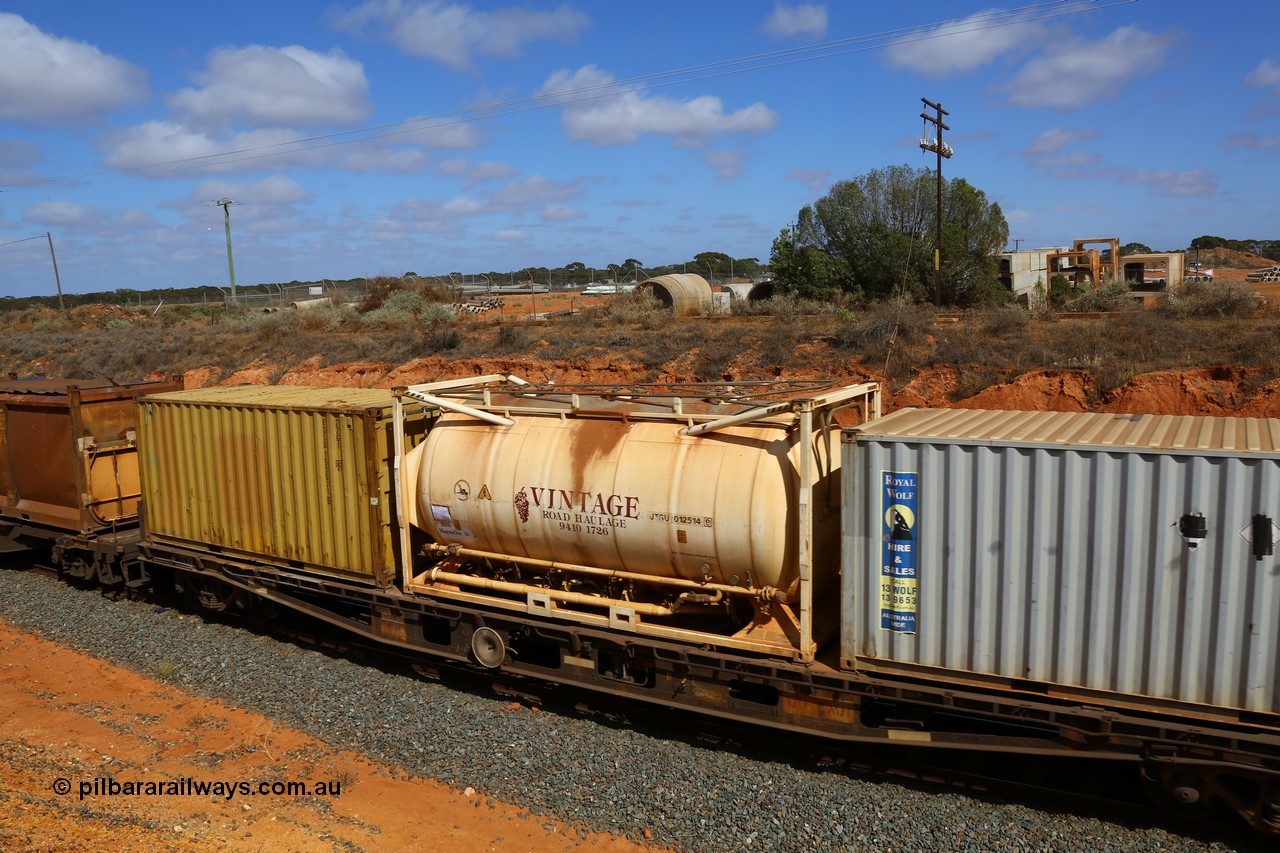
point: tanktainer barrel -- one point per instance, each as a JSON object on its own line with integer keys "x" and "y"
{"x": 614, "y": 485}
{"x": 632, "y": 496}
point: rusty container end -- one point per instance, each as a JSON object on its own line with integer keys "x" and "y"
{"x": 685, "y": 293}
{"x": 70, "y": 462}
{"x": 630, "y": 495}
{"x": 296, "y": 477}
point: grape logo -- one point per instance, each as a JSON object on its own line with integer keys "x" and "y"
{"x": 522, "y": 505}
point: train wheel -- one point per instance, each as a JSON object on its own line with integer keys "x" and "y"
{"x": 212, "y": 594}
{"x": 488, "y": 648}
{"x": 1179, "y": 792}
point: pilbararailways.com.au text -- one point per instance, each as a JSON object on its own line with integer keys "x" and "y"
{"x": 109, "y": 786}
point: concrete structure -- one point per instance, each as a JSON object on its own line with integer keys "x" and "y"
{"x": 749, "y": 291}
{"x": 684, "y": 293}
{"x": 1020, "y": 272}
{"x": 1153, "y": 271}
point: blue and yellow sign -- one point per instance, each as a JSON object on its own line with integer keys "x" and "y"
{"x": 898, "y": 579}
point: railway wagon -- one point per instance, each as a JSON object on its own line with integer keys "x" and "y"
{"x": 69, "y": 474}
{"x": 729, "y": 549}
{"x": 1119, "y": 561}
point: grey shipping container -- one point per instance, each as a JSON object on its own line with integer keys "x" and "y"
{"x": 1122, "y": 559}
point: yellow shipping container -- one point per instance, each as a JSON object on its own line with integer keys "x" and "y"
{"x": 292, "y": 476}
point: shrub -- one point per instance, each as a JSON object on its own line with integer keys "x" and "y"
{"x": 790, "y": 305}
{"x": 639, "y": 306}
{"x": 778, "y": 342}
{"x": 510, "y": 339}
{"x": 883, "y": 323}
{"x": 1111, "y": 295}
{"x": 1214, "y": 299}
{"x": 324, "y": 318}
{"x": 405, "y": 308}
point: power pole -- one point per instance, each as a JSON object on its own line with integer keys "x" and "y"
{"x": 56, "y": 277}
{"x": 942, "y": 150}
{"x": 226, "y": 203}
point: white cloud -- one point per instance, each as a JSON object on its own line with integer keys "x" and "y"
{"x": 1055, "y": 139}
{"x": 161, "y": 141}
{"x": 473, "y": 174}
{"x": 371, "y": 159}
{"x": 1266, "y": 75}
{"x": 533, "y": 191}
{"x": 728, "y": 164}
{"x": 1077, "y": 72}
{"x": 1251, "y": 140}
{"x": 45, "y": 79}
{"x": 1167, "y": 182}
{"x": 815, "y": 179}
{"x": 622, "y": 118}
{"x": 274, "y": 87}
{"x": 963, "y": 44}
{"x": 560, "y": 213}
{"x": 512, "y": 235}
{"x": 169, "y": 146}
{"x": 441, "y": 137}
{"x": 271, "y": 191}
{"x": 434, "y": 214}
{"x": 805, "y": 19}
{"x": 57, "y": 213}
{"x": 1053, "y": 150}
{"x": 454, "y": 33}
{"x": 166, "y": 147}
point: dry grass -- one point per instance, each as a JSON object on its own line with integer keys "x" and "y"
{"x": 1198, "y": 327}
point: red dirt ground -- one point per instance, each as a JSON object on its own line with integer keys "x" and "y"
{"x": 1226, "y": 391}
{"x": 67, "y": 715}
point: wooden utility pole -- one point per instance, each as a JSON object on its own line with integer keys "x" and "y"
{"x": 226, "y": 203}
{"x": 942, "y": 150}
{"x": 57, "y": 278}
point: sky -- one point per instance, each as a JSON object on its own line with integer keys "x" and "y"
{"x": 373, "y": 138}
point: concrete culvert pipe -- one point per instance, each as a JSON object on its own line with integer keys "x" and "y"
{"x": 684, "y": 293}
{"x": 308, "y": 304}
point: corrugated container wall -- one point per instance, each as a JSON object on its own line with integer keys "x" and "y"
{"x": 67, "y": 455}
{"x": 1054, "y": 552}
{"x": 299, "y": 477}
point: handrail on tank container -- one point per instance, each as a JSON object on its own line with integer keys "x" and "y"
{"x": 836, "y": 399}
{"x": 423, "y": 392}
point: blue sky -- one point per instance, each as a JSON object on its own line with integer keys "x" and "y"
{"x": 380, "y": 137}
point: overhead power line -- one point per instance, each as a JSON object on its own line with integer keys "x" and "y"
{"x": 22, "y": 240}
{"x": 1034, "y": 13}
